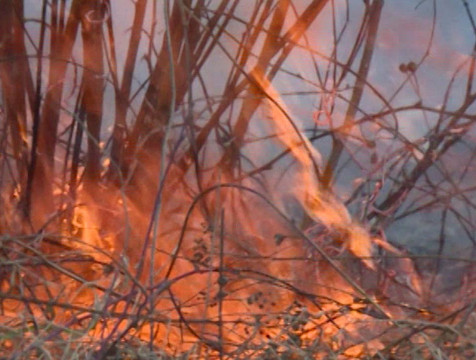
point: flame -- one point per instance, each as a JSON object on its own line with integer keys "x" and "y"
{"x": 321, "y": 206}
{"x": 217, "y": 276}
{"x": 223, "y": 299}
{"x": 216, "y": 271}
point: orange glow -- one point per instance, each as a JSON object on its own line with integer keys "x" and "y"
{"x": 180, "y": 241}
{"x": 321, "y": 206}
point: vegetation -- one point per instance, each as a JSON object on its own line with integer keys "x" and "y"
{"x": 228, "y": 179}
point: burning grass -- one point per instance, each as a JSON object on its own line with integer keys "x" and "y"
{"x": 199, "y": 220}
{"x": 220, "y": 284}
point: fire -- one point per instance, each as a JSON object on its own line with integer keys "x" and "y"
{"x": 228, "y": 268}
{"x": 172, "y": 240}
{"x": 218, "y": 276}
{"x": 320, "y": 205}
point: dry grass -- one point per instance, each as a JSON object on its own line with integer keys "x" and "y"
{"x": 165, "y": 196}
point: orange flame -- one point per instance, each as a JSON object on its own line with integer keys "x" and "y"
{"x": 321, "y": 206}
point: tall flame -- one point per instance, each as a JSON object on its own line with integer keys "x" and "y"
{"x": 322, "y": 206}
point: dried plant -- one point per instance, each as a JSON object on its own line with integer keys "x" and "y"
{"x": 268, "y": 179}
